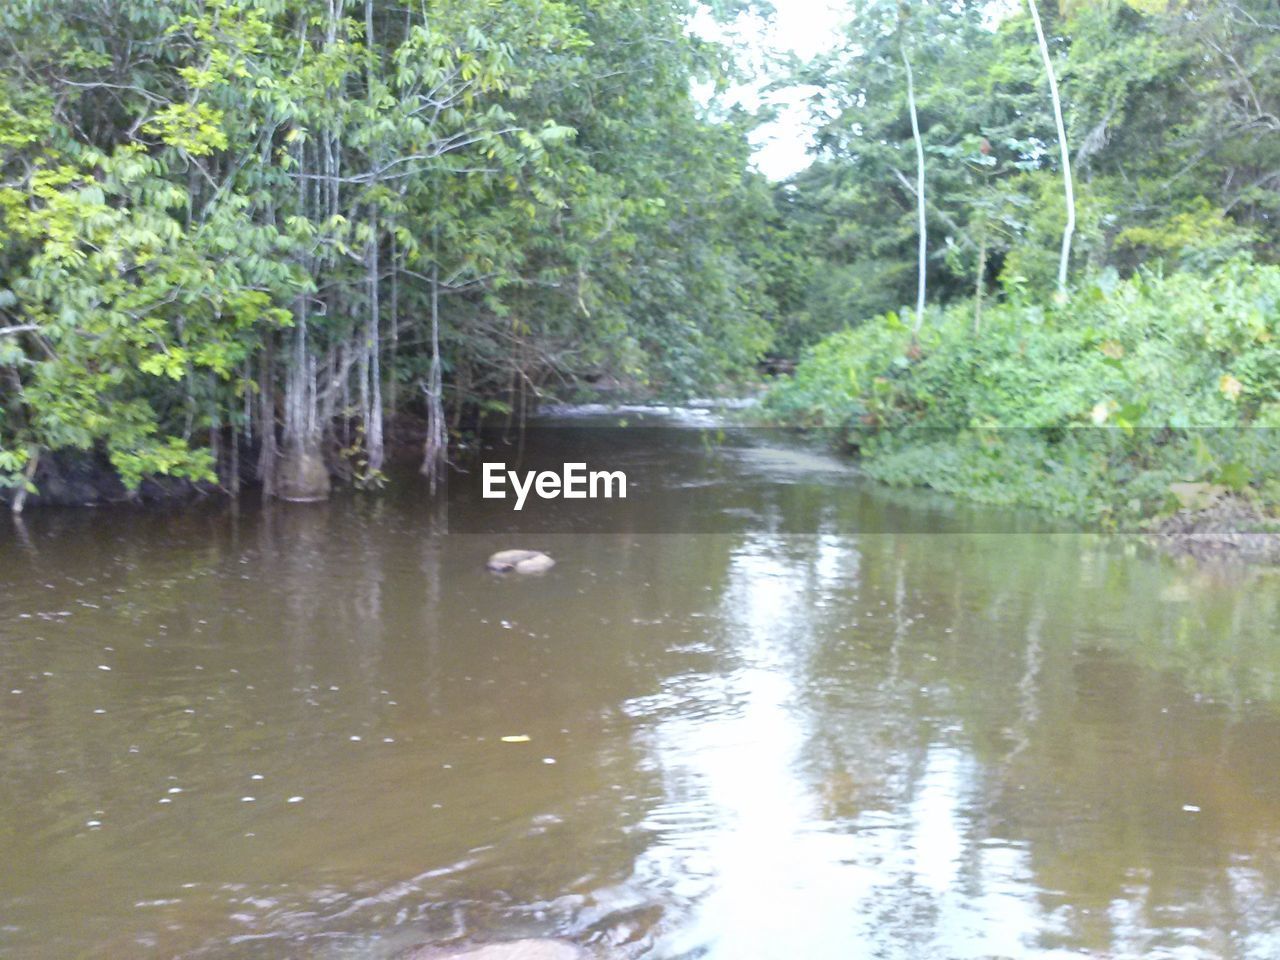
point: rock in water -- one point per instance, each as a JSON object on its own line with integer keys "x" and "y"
{"x": 512, "y": 950}
{"x": 538, "y": 563}
{"x": 520, "y": 561}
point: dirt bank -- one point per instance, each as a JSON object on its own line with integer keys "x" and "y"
{"x": 73, "y": 478}
{"x": 1230, "y": 529}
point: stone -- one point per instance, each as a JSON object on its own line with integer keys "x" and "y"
{"x": 520, "y": 561}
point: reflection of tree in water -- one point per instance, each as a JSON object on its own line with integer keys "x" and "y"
{"x": 1023, "y": 695}
{"x": 270, "y": 644}
{"x": 916, "y": 743}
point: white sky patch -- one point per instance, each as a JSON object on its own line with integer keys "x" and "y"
{"x": 804, "y": 27}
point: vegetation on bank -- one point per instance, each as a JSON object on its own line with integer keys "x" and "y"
{"x": 251, "y": 230}
{"x": 1152, "y": 379}
{"x": 1106, "y": 408}
{"x": 238, "y": 237}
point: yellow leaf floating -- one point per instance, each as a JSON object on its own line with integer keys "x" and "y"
{"x": 517, "y": 738}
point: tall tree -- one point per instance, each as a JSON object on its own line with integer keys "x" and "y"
{"x": 923, "y": 228}
{"x": 259, "y": 222}
{"x": 1068, "y": 186}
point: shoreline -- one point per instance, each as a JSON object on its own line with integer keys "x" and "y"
{"x": 1228, "y": 530}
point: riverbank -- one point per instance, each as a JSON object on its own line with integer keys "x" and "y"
{"x": 1213, "y": 525}
{"x": 1229, "y": 530}
{"x": 71, "y": 477}
{"x": 78, "y": 478}
{"x": 87, "y": 478}
{"x": 1108, "y": 410}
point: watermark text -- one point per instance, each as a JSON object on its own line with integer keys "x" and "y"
{"x": 573, "y": 482}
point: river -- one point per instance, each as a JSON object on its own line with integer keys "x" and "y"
{"x": 847, "y": 722}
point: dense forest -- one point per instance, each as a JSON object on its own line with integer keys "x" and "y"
{"x": 1080, "y": 209}
{"x": 240, "y": 239}
{"x": 261, "y": 227}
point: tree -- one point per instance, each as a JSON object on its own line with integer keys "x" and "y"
{"x": 262, "y": 224}
{"x": 1067, "y": 185}
{"x": 919, "y": 189}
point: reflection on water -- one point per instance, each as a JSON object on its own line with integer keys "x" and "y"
{"x": 279, "y": 733}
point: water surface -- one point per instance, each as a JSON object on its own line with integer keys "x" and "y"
{"x": 278, "y": 731}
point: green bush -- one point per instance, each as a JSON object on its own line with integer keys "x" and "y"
{"x": 1089, "y": 409}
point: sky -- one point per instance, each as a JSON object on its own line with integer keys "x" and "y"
{"x": 806, "y": 27}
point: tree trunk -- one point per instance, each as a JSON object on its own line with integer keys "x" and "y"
{"x": 268, "y": 453}
{"x": 301, "y": 474}
{"x": 980, "y": 284}
{"x": 921, "y": 225}
{"x": 235, "y": 461}
{"x": 1068, "y": 187}
{"x": 433, "y": 460}
{"x": 28, "y": 474}
{"x": 371, "y": 367}
{"x": 394, "y": 327}
{"x": 373, "y": 402}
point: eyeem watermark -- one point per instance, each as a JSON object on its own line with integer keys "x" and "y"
{"x": 573, "y": 482}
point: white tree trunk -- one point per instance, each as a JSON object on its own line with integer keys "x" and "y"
{"x": 373, "y": 441}
{"x": 1068, "y": 187}
{"x": 28, "y": 475}
{"x": 922, "y": 228}
{"x": 433, "y": 460}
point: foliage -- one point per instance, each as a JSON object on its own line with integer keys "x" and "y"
{"x": 1171, "y": 119}
{"x": 234, "y": 222}
{"x": 249, "y": 231}
{"x": 1091, "y": 409}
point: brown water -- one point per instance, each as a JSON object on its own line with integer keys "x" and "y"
{"x": 741, "y": 746}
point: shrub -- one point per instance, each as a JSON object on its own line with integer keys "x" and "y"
{"x": 1089, "y": 409}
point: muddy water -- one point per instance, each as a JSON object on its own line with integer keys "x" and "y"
{"x": 280, "y": 733}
